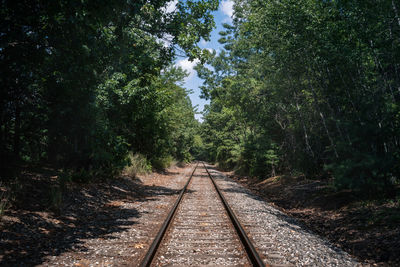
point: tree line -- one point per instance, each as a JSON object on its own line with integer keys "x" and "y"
{"x": 84, "y": 83}
{"x": 308, "y": 87}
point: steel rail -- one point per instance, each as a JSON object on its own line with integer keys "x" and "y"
{"x": 157, "y": 240}
{"x": 254, "y": 257}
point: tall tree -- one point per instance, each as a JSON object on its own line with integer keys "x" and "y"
{"x": 80, "y": 82}
{"x": 312, "y": 85}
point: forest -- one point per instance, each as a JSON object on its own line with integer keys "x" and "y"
{"x": 98, "y": 132}
{"x": 308, "y": 88}
{"x": 302, "y": 87}
{"x": 86, "y": 86}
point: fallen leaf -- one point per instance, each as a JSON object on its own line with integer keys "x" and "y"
{"x": 139, "y": 245}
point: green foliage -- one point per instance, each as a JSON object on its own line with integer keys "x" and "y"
{"x": 84, "y": 83}
{"x": 363, "y": 172}
{"x": 308, "y": 87}
{"x": 138, "y": 164}
{"x": 198, "y": 149}
{"x": 161, "y": 163}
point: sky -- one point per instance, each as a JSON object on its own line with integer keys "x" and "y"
{"x": 192, "y": 82}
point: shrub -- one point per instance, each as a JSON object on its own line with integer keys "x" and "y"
{"x": 164, "y": 162}
{"x": 4, "y": 199}
{"x": 137, "y": 164}
{"x": 364, "y": 172}
{"x": 56, "y": 198}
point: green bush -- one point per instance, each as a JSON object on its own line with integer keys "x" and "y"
{"x": 138, "y": 164}
{"x": 363, "y": 172}
{"x": 162, "y": 163}
{"x": 198, "y": 149}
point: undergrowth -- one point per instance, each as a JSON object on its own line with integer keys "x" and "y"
{"x": 163, "y": 162}
{"x": 4, "y": 199}
{"x": 138, "y": 164}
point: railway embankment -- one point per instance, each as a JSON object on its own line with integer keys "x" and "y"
{"x": 368, "y": 229}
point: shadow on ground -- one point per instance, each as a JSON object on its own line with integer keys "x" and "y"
{"x": 368, "y": 230}
{"x": 30, "y": 231}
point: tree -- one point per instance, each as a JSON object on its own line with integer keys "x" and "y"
{"x": 81, "y": 84}
{"x": 312, "y": 83}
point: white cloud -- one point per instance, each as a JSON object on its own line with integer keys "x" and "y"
{"x": 166, "y": 40}
{"x": 188, "y": 66}
{"x": 199, "y": 117}
{"x": 171, "y": 6}
{"x": 212, "y": 50}
{"x": 227, "y": 7}
{"x": 203, "y": 42}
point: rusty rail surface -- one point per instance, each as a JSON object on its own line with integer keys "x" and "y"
{"x": 157, "y": 240}
{"x": 250, "y": 249}
{"x": 251, "y": 252}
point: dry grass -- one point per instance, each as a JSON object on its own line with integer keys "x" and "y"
{"x": 138, "y": 165}
{"x": 4, "y": 199}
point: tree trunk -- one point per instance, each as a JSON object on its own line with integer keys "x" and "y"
{"x": 322, "y": 117}
{"x": 304, "y": 127}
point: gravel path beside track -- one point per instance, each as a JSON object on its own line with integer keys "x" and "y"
{"x": 113, "y": 224}
{"x": 280, "y": 238}
{"x": 127, "y": 246}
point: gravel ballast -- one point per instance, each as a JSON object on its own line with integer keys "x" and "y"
{"x": 278, "y": 237}
{"x": 113, "y": 224}
{"x": 201, "y": 232}
{"x": 105, "y": 224}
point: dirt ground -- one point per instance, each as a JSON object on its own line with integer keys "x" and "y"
{"x": 85, "y": 225}
{"x": 368, "y": 230}
{"x": 103, "y": 223}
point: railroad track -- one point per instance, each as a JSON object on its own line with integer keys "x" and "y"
{"x": 201, "y": 229}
